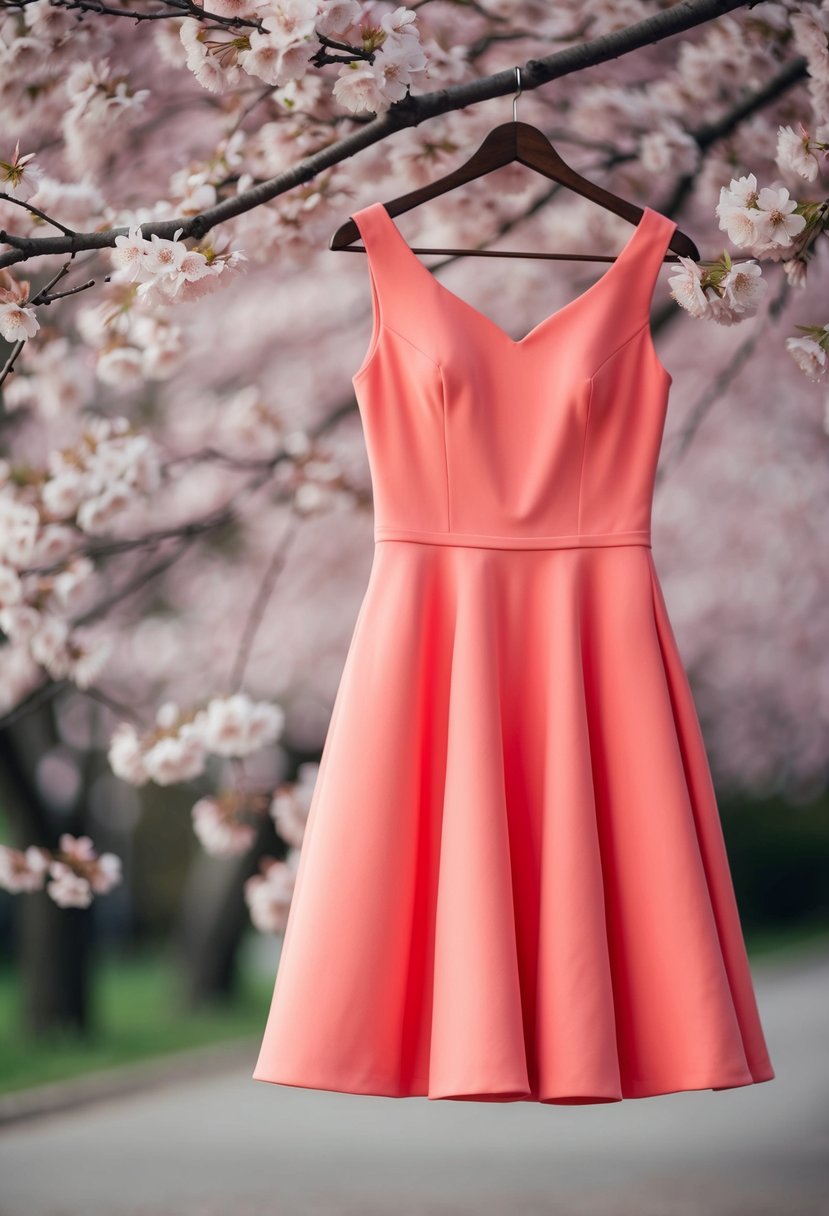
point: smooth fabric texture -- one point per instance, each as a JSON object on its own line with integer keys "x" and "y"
{"x": 513, "y": 883}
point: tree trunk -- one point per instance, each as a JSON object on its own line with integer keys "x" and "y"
{"x": 54, "y": 943}
{"x": 213, "y": 920}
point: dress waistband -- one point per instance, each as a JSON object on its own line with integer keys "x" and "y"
{"x": 586, "y": 540}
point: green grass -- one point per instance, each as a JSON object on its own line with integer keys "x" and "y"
{"x": 787, "y": 942}
{"x": 136, "y": 1016}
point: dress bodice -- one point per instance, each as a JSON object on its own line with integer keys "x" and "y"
{"x": 474, "y": 437}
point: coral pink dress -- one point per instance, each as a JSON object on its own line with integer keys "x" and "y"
{"x": 513, "y": 883}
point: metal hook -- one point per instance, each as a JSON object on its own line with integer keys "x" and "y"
{"x": 517, "y": 95}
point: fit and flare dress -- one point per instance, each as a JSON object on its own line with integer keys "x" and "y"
{"x": 513, "y": 884}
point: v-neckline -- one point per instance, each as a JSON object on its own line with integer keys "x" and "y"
{"x": 621, "y": 257}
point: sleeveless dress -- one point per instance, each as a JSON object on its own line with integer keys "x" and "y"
{"x": 513, "y": 883}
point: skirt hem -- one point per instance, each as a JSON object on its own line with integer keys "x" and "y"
{"x": 380, "y": 1089}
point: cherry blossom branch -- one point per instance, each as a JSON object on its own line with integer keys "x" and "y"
{"x": 188, "y": 530}
{"x": 41, "y": 695}
{"x": 137, "y": 583}
{"x": 179, "y": 8}
{"x": 21, "y": 202}
{"x": 44, "y": 296}
{"x": 720, "y": 383}
{"x": 351, "y": 52}
{"x": 260, "y": 603}
{"x": 409, "y": 112}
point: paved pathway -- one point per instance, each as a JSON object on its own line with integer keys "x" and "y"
{"x": 225, "y": 1145}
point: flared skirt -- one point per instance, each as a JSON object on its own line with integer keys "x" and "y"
{"x": 513, "y": 883}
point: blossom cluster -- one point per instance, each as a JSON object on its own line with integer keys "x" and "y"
{"x": 268, "y": 893}
{"x": 314, "y": 479}
{"x": 767, "y": 222}
{"x": 17, "y": 320}
{"x": 723, "y": 291}
{"x": 76, "y": 871}
{"x": 44, "y": 517}
{"x": 166, "y": 270}
{"x": 225, "y": 823}
{"x": 285, "y": 50}
{"x": 178, "y": 746}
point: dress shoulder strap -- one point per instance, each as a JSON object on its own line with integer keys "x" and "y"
{"x": 389, "y": 265}
{"x": 646, "y": 266}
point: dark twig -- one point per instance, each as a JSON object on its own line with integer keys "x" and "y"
{"x": 409, "y": 112}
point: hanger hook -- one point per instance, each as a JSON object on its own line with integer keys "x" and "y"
{"x": 517, "y": 95}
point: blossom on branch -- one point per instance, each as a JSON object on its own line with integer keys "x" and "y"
{"x": 764, "y": 220}
{"x": 163, "y": 269}
{"x": 76, "y": 871}
{"x": 291, "y": 803}
{"x": 268, "y": 893}
{"x": 17, "y": 322}
{"x": 19, "y": 176}
{"x": 177, "y": 748}
{"x": 809, "y": 352}
{"x": 797, "y": 151}
{"x": 220, "y": 824}
{"x": 724, "y": 291}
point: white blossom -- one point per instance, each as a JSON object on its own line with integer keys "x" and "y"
{"x": 744, "y": 286}
{"x": 268, "y": 896}
{"x": 776, "y": 222}
{"x": 237, "y": 726}
{"x": 11, "y": 591}
{"x": 809, "y": 356}
{"x": 48, "y": 644}
{"x": 22, "y": 871}
{"x": 17, "y": 322}
{"x": 795, "y": 152}
{"x": 291, "y": 803}
{"x": 68, "y": 889}
{"x": 177, "y": 757}
{"x": 219, "y": 830}
{"x": 20, "y": 176}
{"x": 686, "y": 288}
{"x": 126, "y": 755}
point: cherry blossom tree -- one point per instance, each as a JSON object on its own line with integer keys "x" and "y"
{"x": 184, "y": 500}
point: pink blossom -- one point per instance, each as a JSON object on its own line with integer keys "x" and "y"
{"x": 744, "y": 287}
{"x": 796, "y": 152}
{"x": 177, "y": 757}
{"x": 48, "y": 644}
{"x": 809, "y": 356}
{"x": 338, "y": 17}
{"x": 130, "y": 255}
{"x": 10, "y": 588}
{"x": 236, "y": 726}
{"x": 126, "y": 755}
{"x": 105, "y": 873}
{"x": 68, "y": 889}
{"x": 219, "y": 829}
{"x": 62, "y": 494}
{"x": 291, "y": 803}
{"x": 19, "y": 176}
{"x": 17, "y": 323}
{"x": 686, "y": 288}
{"x": 268, "y": 895}
{"x": 776, "y": 222}
{"x": 22, "y": 871}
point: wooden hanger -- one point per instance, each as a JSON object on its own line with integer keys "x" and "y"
{"x": 506, "y": 143}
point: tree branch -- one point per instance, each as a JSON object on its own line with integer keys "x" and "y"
{"x": 409, "y": 112}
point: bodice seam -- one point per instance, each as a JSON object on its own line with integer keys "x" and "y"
{"x": 445, "y": 448}
{"x": 584, "y": 454}
{"x": 619, "y": 348}
{"x": 390, "y": 328}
